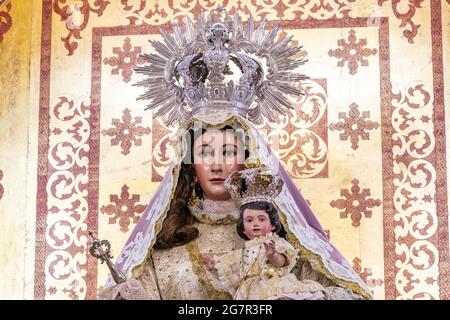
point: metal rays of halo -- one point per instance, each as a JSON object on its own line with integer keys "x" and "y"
{"x": 168, "y": 96}
{"x": 163, "y": 89}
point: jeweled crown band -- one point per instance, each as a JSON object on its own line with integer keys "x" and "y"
{"x": 254, "y": 185}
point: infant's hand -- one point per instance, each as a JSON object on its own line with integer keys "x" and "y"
{"x": 270, "y": 248}
{"x": 209, "y": 262}
{"x": 276, "y": 258}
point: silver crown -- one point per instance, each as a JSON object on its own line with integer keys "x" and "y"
{"x": 254, "y": 185}
{"x": 188, "y": 74}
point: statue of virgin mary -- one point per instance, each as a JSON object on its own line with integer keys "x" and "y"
{"x": 209, "y": 80}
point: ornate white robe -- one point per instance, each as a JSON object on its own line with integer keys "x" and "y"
{"x": 179, "y": 273}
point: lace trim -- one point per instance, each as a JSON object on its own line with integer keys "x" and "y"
{"x": 216, "y": 212}
{"x": 261, "y": 239}
{"x": 228, "y": 276}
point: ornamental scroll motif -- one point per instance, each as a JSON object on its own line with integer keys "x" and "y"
{"x": 66, "y": 235}
{"x": 415, "y": 219}
{"x": 76, "y": 17}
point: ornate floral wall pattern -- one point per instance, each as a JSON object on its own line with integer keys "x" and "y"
{"x": 366, "y": 145}
{"x": 125, "y": 60}
{"x": 356, "y": 203}
{"x": 406, "y": 18}
{"x": 162, "y": 149}
{"x": 416, "y": 221}
{"x": 76, "y": 17}
{"x": 355, "y": 126}
{"x": 366, "y": 274}
{"x": 123, "y": 207}
{"x": 160, "y": 12}
{"x": 300, "y": 138}
{"x": 67, "y": 202}
{"x": 126, "y": 132}
{"x": 317, "y": 9}
{"x": 353, "y": 52}
{"x": 6, "y": 20}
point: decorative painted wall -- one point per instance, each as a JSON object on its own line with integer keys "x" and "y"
{"x": 367, "y": 145}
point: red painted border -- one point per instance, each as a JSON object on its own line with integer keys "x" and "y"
{"x": 387, "y": 162}
{"x": 43, "y": 147}
{"x": 440, "y": 149}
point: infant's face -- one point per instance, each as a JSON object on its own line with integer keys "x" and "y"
{"x": 256, "y": 223}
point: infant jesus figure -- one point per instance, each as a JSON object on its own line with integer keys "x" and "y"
{"x": 262, "y": 269}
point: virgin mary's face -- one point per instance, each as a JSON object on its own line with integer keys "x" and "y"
{"x": 216, "y": 155}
